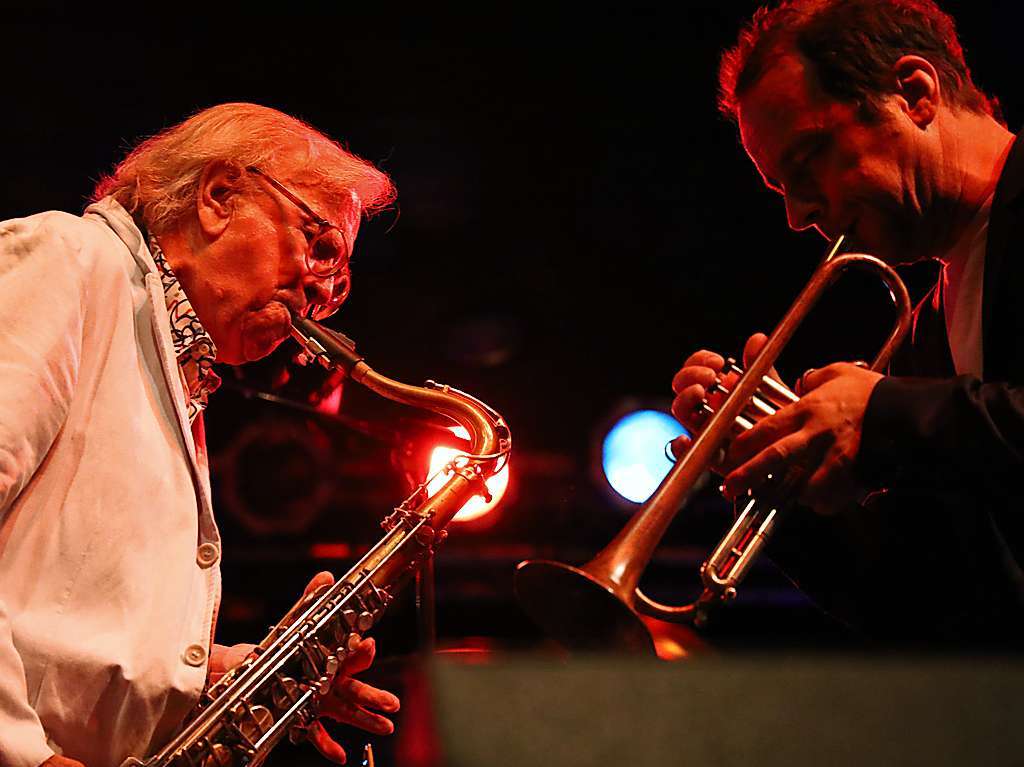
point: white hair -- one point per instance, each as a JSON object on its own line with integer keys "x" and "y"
{"x": 159, "y": 178}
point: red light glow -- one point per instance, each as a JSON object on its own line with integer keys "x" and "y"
{"x": 475, "y": 507}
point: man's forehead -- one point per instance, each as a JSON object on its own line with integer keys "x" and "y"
{"x": 782, "y": 104}
{"x": 339, "y": 206}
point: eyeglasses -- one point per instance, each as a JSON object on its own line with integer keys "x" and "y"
{"x": 327, "y": 252}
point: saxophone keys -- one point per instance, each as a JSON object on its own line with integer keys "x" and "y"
{"x": 323, "y": 685}
{"x": 332, "y": 664}
{"x": 364, "y": 622}
{"x": 256, "y": 723}
{"x": 425, "y": 536}
{"x": 218, "y": 756}
{"x": 285, "y": 692}
{"x": 349, "y": 616}
{"x": 352, "y": 643}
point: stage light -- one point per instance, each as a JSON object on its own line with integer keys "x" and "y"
{"x": 633, "y": 453}
{"x": 476, "y": 507}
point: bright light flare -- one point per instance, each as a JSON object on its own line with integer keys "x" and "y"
{"x": 476, "y": 507}
{"x": 633, "y": 454}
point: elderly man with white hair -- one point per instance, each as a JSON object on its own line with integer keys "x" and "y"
{"x": 198, "y": 248}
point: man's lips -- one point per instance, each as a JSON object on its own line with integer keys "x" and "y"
{"x": 296, "y": 307}
{"x": 264, "y": 328}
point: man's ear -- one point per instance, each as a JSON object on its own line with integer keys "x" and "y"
{"x": 218, "y": 184}
{"x": 918, "y": 91}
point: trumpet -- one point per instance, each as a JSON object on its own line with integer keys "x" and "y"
{"x": 598, "y": 606}
{"x": 276, "y": 691}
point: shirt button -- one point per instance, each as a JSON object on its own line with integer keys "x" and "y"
{"x": 207, "y": 554}
{"x": 194, "y": 655}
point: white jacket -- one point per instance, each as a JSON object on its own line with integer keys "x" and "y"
{"x": 109, "y": 555}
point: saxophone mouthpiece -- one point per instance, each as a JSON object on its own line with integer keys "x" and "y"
{"x": 321, "y": 344}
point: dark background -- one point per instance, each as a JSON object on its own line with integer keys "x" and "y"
{"x": 574, "y": 219}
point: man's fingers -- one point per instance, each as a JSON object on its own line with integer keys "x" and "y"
{"x": 320, "y": 579}
{"x": 680, "y": 445}
{"x": 694, "y": 374}
{"x": 753, "y": 347}
{"x": 359, "y": 659}
{"x": 705, "y": 359}
{"x": 765, "y": 432}
{"x": 684, "y": 406}
{"x": 236, "y": 654}
{"x": 325, "y": 744}
{"x": 773, "y": 460}
{"x": 815, "y": 377}
{"x": 357, "y": 716}
{"x": 366, "y": 695}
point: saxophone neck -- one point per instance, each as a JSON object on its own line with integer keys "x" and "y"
{"x": 488, "y": 431}
{"x": 327, "y": 347}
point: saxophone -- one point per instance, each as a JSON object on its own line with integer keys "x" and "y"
{"x": 275, "y": 692}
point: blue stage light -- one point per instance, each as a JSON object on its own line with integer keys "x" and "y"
{"x": 633, "y": 453}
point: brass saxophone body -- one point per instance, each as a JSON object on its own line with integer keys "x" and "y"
{"x": 275, "y": 692}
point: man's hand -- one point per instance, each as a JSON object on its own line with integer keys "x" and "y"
{"x": 696, "y": 379}
{"x": 61, "y": 761}
{"x": 812, "y": 444}
{"x": 350, "y": 701}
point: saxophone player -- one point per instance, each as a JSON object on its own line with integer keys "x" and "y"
{"x": 198, "y": 248}
{"x": 863, "y": 116}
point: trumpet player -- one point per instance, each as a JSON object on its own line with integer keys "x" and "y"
{"x": 863, "y": 116}
{"x": 197, "y": 249}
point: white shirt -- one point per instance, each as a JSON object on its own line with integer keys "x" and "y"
{"x": 109, "y": 576}
{"x": 963, "y": 284}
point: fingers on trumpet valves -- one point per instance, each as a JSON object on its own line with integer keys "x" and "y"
{"x": 709, "y": 395}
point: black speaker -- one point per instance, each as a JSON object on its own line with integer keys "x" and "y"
{"x": 755, "y": 712}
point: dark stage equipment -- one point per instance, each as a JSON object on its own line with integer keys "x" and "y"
{"x": 766, "y": 712}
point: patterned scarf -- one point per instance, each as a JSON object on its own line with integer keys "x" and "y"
{"x": 192, "y": 344}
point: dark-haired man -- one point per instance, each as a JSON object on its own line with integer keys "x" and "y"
{"x": 863, "y": 115}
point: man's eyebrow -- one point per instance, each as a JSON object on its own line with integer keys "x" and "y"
{"x": 803, "y": 140}
{"x": 799, "y": 144}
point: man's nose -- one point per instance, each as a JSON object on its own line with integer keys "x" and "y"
{"x": 802, "y": 212}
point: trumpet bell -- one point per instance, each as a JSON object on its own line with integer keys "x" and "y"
{"x": 578, "y": 610}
